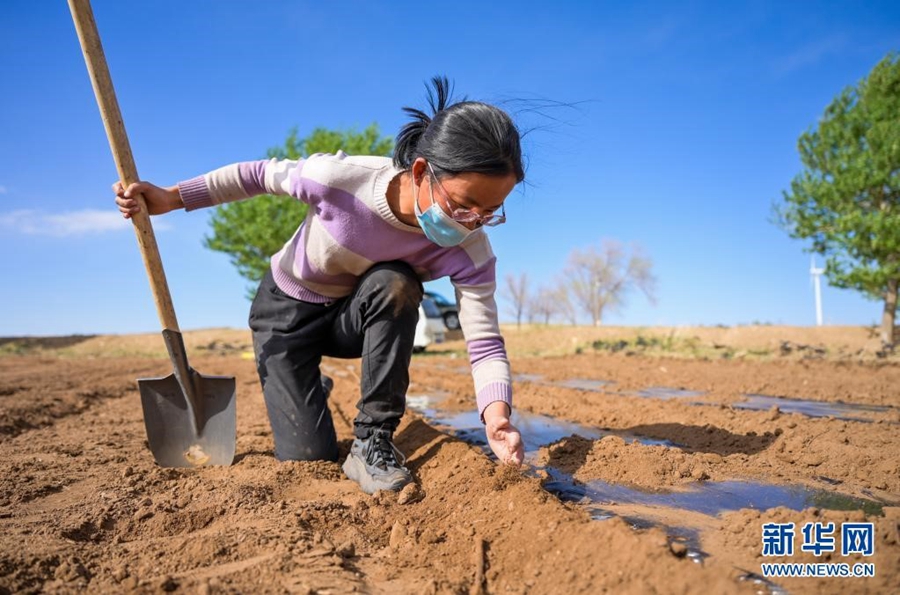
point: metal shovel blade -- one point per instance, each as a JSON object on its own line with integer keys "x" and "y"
{"x": 191, "y": 419}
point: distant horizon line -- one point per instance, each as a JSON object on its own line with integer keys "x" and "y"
{"x": 5, "y": 337}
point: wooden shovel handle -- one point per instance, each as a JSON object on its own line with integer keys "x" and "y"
{"x": 121, "y": 150}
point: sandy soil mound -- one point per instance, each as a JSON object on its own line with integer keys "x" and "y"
{"x": 83, "y": 507}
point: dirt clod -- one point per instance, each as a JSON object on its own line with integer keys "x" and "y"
{"x": 678, "y": 549}
{"x": 507, "y": 475}
{"x": 398, "y": 535}
{"x": 410, "y": 493}
{"x": 168, "y": 584}
{"x": 346, "y": 550}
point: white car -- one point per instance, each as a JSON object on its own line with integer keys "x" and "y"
{"x": 430, "y": 328}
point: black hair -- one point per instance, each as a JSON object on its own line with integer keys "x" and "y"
{"x": 458, "y": 137}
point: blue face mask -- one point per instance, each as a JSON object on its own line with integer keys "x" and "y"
{"x": 437, "y": 225}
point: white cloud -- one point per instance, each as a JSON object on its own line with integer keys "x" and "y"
{"x": 811, "y": 54}
{"x": 74, "y": 223}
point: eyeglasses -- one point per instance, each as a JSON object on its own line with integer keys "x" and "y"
{"x": 463, "y": 215}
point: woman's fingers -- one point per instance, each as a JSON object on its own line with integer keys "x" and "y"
{"x": 512, "y": 454}
{"x": 128, "y": 206}
{"x": 135, "y": 188}
{"x": 515, "y": 450}
{"x": 506, "y": 442}
{"x": 125, "y": 202}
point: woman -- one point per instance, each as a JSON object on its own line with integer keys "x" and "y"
{"x": 349, "y": 282}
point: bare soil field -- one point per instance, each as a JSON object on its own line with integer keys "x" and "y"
{"x": 663, "y": 440}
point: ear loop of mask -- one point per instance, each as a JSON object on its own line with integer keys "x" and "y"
{"x": 438, "y": 226}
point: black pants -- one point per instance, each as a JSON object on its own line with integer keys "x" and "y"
{"x": 376, "y": 322}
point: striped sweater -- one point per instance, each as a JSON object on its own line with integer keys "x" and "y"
{"x": 348, "y": 228}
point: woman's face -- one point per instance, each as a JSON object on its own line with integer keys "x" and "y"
{"x": 479, "y": 193}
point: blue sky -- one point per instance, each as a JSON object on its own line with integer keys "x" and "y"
{"x": 685, "y": 133}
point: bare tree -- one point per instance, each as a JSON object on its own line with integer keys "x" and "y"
{"x": 563, "y": 302}
{"x": 516, "y": 292}
{"x": 600, "y": 280}
{"x": 543, "y": 305}
{"x": 530, "y": 312}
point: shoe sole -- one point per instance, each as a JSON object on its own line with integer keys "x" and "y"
{"x": 356, "y": 470}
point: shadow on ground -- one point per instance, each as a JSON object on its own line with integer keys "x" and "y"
{"x": 706, "y": 438}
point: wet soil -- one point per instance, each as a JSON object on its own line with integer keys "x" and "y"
{"x": 83, "y": 507}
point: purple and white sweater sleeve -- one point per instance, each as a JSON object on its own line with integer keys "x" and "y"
{"x": 242, "y": 180}
{"x": 479, "y": 321}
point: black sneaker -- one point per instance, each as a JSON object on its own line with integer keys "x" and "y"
{"x": 373, "y": 464}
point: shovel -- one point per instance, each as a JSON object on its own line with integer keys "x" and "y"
{"x": 190, "y": 418}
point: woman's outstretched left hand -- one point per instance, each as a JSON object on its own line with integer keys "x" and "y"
{"x": 504, "y": 438}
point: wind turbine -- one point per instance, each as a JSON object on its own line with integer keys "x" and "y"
{"x": 816, "y": 275}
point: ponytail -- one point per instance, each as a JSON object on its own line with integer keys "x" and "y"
{"x": 409, "y": 136}
{"x": 467, "y": 136}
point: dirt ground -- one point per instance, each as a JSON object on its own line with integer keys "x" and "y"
{"x": 84, "y": 508}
